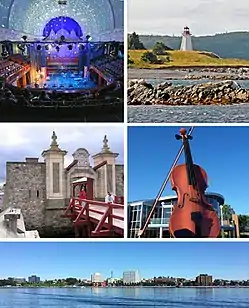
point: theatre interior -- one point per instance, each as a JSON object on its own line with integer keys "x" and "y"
{"x": 62, "y": 60}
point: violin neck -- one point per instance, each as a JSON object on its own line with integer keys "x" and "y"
{"x": 189, "y": 163}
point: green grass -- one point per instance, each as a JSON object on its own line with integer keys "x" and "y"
{"x": 186, "y": 59}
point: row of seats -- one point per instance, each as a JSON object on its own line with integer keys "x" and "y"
{"x": 113, "y": 67}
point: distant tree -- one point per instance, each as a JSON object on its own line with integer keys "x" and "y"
{"x": 134, "y": 42}
{"x": 150, "y": 57}
{"x": 243, "y": 223}
{"x": 71, "y": 281}
{"x": 160, "y": 49}
{"x": 227, "y": 212}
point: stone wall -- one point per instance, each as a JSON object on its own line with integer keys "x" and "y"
{"x": 119, "y": 180}
{"x": 26, "y": 189}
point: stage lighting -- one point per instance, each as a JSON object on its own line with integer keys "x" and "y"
{"x": 57, "y": 48}
{"x": 24, "y": 37}
{"x": 88, "y": 38}
{"x": 62, "y": 38}
{"x": 47, "y": 47}
{"x": 62, "y": 2}
{"x": 4, "y": 54}
{"x": 70, "y": 47}
{"x": 38, "y": 48}
{"x": 81, "y": 47}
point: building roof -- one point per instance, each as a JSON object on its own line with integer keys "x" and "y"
{"x": 216, "y": 196}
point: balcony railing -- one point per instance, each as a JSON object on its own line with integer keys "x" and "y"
{"x": 159, "y": 221}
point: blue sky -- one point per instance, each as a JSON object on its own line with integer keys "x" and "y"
{"x": 177, "y": 259}
{"x": 222, "y": 151}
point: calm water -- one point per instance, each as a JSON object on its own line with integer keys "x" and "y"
{"x": 187, "y": 114}
{"x": 123, "y": 297}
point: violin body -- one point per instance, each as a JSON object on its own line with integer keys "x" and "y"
{"x": 192, "y": 216}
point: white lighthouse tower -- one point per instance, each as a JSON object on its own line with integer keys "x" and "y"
{"x": 186, "y": 40}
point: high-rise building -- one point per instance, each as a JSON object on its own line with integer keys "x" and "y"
{"x": 96, "y": 278}
{"x": 186, "y": 40}
{"x": 204, "y": 280}
{"x": 34, "y": 279}
{"x": 131, "y": 277}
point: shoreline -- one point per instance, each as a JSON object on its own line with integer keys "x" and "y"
{"x": 222, "y": 92}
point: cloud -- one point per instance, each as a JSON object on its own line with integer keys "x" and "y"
{"x": 18, "y": 141}
{"x": 202, "y": 16}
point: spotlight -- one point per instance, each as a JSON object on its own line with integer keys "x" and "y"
{"x": 88, "y": 38}
{"x": 57, "y": 48}
{"x": 24, "y": 37}
{"x": 62, "y": 2}
{"x": 70, "y": 47}
{"x": 82, "y": 47}
{"x": 4, "y": 54}
{"x": 46, "y": 47}
{"x": 62, "y": 38}
{"x": 38, "y": 48}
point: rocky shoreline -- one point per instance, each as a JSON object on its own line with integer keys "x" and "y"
{"x": 212, "y": 93}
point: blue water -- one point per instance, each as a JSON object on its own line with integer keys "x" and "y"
{"x": 124, "y": 297}
{"x": 69, "y": 81}
{"x": 189, "y": 114}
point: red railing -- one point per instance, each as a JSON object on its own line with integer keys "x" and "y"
{"x": 100, "y": 218}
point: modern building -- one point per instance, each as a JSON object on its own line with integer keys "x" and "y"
{"x": 18, "y": 280}
{"x": 97, "y": 278}
{"x": 186, "y": 44}
{"x": 130, "y": 277}
{"x": 159, "y": 223}
{"x": 204, "y": 280}
{"x": 34, "y": 279}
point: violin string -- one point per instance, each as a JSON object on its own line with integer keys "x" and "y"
{"x": 141, "y": 231}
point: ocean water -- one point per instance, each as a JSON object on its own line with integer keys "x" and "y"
{"x": 184, "y": 114}
{"x": 124, "y": 297}
{"x": 189, "y": 114}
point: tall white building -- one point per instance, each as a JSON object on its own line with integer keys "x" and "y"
{"x": 96, "y": 277}
{"x": 131, "y": 277}
{"x": 186, "y": 40}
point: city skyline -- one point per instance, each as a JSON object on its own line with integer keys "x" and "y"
{"x": 18, "y": 140}
{"x": 151, "y": 151}
{"x": 50, "y": 260}
{"x": 145, "y": 17}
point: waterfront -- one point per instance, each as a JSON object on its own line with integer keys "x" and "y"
{"x": 188, "y": 114}
{"x": 123, "y": 297}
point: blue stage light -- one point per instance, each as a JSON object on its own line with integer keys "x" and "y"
{"x": 66, "y": 23}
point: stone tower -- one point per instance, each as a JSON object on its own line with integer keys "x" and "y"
{"x": 186, "y": 44}
{"x": 54, "y": 160}
{"x": 106, "y": 178}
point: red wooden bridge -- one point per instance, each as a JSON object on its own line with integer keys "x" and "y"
{"x": 93, "y": 218}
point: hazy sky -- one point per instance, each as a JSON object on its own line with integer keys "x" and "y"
{"x": 18, "y": 141}
{"x": 202, "y": 16}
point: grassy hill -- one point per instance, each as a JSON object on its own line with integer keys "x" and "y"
{"x": 226, "y": 45}
{"x": 186, "y": 59}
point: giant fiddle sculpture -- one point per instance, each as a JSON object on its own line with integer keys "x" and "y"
{"x": 192, "y": 216}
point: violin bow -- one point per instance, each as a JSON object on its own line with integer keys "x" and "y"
{"x": 141, "y": 231}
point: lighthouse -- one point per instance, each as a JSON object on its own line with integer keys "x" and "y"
{"x": 186, "y": 40}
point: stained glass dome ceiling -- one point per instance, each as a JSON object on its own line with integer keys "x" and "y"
{"x": 31, "y": 16}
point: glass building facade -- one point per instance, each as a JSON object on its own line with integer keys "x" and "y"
{"x": 159, "y": 224}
